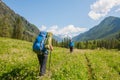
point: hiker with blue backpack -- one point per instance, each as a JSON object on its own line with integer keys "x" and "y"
{"x": 71, "y": 45}
{"x": 42, "y": 46}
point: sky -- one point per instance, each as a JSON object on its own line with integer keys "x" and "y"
{"x": 65, "y": 17}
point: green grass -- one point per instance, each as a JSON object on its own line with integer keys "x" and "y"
{"x": 105, "y": 64}
{"x": 19, "y": 62}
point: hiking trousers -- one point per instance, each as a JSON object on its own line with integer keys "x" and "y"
{"x": 42, "y": 62}
{"x": 71, "y": 49}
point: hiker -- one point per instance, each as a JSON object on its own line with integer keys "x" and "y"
{"x": 43, "y": 54}
{"x": 71, "y": 45}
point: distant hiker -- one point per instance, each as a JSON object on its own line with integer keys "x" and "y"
{"x": 41, "y": 46}
{"x": 71, "y": 45}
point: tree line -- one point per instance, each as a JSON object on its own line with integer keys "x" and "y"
{"x": 64, "y": 43}
{"x": 113, "y": 43}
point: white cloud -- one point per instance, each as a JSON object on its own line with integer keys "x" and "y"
{"x": 42, "y": 28}
{"x": 101, "y": 8}
{"x": 67, "y": 31}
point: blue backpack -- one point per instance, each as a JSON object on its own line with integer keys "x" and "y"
{"x": 39, "y": 44}
{"x": 71, "y": 44}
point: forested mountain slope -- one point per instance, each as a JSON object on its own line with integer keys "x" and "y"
{"x": 15, "y": 26}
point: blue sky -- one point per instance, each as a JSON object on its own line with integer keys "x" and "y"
{"x": 65, "y": 16}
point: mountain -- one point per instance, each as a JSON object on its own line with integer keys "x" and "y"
{"x": 107, "y": 29}
{"x": 13, "y": 25}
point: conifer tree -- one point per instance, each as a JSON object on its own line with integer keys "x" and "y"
{"x": 4, "y": 27}
{"x": 18, "y": 29}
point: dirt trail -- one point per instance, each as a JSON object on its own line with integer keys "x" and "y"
{"x": 90, "y": 72}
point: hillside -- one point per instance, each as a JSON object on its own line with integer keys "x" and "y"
{"x": 19, "y": 62}
{"x": 15, "y": 26}
{"x": 107, "y": 29}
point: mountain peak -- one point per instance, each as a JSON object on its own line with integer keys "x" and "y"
{"x": 109, "y": 19}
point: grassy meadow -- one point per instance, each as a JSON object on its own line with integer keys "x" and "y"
{"x": 19, "y": 62}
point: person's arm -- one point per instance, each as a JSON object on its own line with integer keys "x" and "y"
{"x": 51, "y": 47}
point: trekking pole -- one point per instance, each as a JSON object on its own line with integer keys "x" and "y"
{"x": 49, "y": 60}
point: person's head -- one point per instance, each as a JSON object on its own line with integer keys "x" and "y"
{"x": 70, "y": 40}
